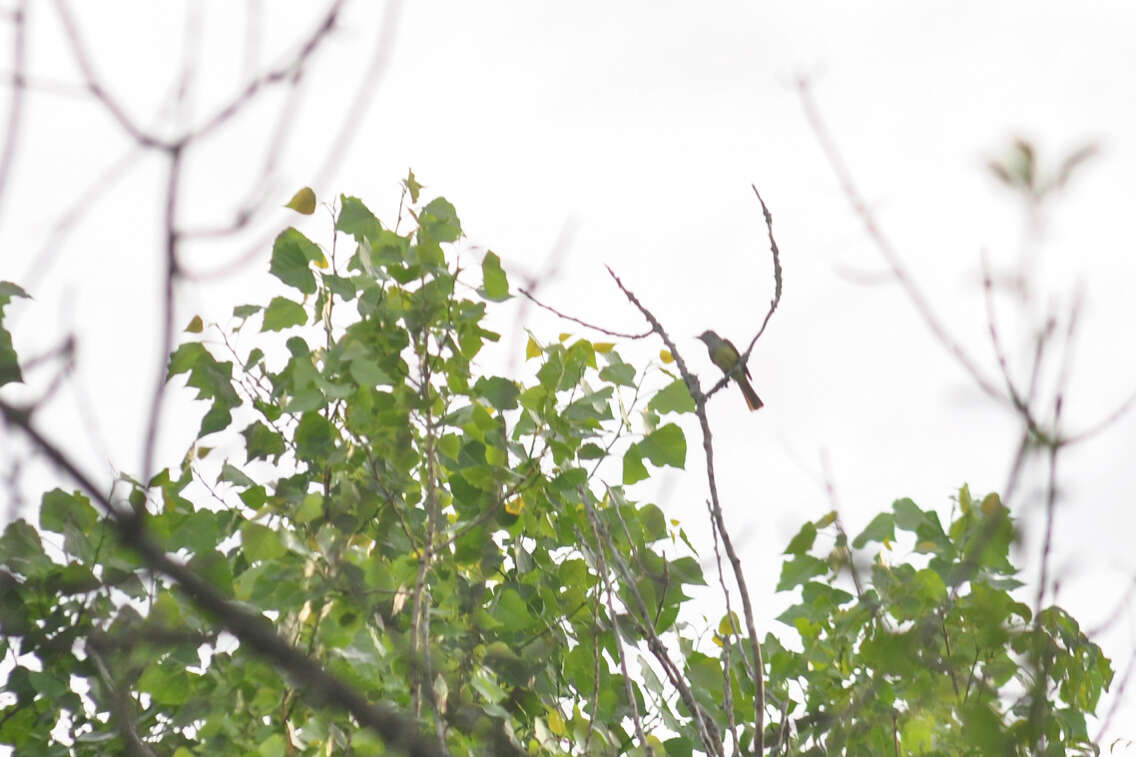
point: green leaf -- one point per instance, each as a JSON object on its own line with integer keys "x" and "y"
{"x": 283, "y": 313}
{"x": 261, "y": 442}
{"x": 882, "y": 528}
{"x": 234, "y": 476}
{"x": 167, "y": 682}
{"x": 803, "y": 541}
{"x": 212, "y": 566}
{"x": 800, "y": 569}
{"x": 9, "y": 361}
{"x": 291, "y": 254}
{"x": 501, "y": 393}
{"x": 440, "y": 220}
{"x": 355, "y": 219}
{"x": 315, "y": 437}
{"x": 617, "y": 371}
{"x": 273, "y": 746}
{"x": 496, "y": 284}
{"x": 59, "y": 509}
{"x": 261, "y": 542}
{"x": 673, "y": 398}
{"x": 341, "y": 287}
{"x": 665, "y": 446}
{"x": 310, "y": 509}
{"x": 212, "y": 379}
{"x": 908, "y": 516}
{"x": 633, "y": 468}
{"x": 511, "y": 611}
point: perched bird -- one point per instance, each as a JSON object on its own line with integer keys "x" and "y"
{"x": 725, "y": 355}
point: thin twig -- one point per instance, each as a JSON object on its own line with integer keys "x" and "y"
{"x": 585, "y": 324}
{"x": 777, "y": 280}
{"x": 740, "y": 368}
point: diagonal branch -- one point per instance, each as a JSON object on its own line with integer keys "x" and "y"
{"x": 95, "y": 87}
{"x": 884, "y": 245}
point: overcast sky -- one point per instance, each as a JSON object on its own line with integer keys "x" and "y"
{"x": 627, "y": 134}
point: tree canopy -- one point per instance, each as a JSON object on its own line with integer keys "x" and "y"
{"x": 374, "y": 546}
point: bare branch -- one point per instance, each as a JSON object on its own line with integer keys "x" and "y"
{"x": 349, "y": 125}
{"x": 292, "y": 68}
{"x": 79, "y": 50}
{"x": 170, "y": 273}
{"x": 776, "y": 272}
{"x": 585, "y": 324}
{"x": 860, "y": 207}
{"x": 16, "y": 104}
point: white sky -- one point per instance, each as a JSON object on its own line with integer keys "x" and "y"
{"x": 634, "y": 129}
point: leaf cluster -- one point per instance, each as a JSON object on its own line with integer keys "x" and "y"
{"x": 932, "y": 654}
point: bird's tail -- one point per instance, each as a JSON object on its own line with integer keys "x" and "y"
{"x": 751, "y": 397}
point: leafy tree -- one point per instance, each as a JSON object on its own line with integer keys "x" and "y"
{"x": 932, "y": 655}
{"x": 441, "y": 556}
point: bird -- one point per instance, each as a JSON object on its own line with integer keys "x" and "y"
{"x": 725, "y": 355}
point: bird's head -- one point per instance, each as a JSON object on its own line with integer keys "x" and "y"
{"x": 709, "y": 337}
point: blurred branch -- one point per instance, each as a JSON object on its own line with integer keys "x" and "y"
{"x": 292, "y": 69}
{"x": 170, "y": 273}
{"x": 16, "y": 103}
{"x": 349, "y": 126}
{"x": 95, "y": 87}
{"x": 119, "y": 706}
{"x": 860, "y": 207}
{"x": 83, "y": 204}
{"x": 1117, "y": 698}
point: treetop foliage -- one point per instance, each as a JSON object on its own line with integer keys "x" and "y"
{"x": 467, "y": 552}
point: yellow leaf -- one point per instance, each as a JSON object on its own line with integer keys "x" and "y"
{"x": 303, "y": 202}
{"x": 532, "y": 349}
{"x": 603, "y": 347}
{"x": 515, "y": 506}
{"x": 322, "y": 262}
{"x": 827, "y": 520}
{"x": 195, "y": 326}
{"x": 202, "y": 452}
{"x": 666, "y": 356}
{"x": 728, "y": 624}
{"x": 556, "y": 723}
{"x": 565, "y": 336}
{"x": 991, "y": 504}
